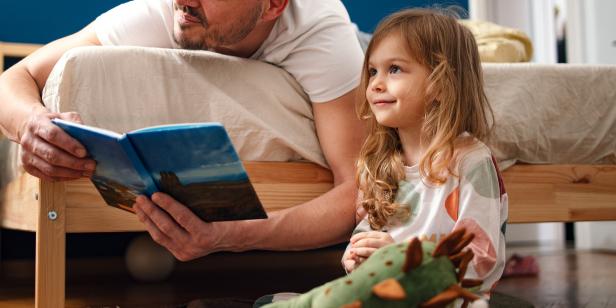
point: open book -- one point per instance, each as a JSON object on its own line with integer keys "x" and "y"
{"x": 194, "y": 163}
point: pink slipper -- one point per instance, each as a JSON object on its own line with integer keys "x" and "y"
{"x": 520, "y": 266}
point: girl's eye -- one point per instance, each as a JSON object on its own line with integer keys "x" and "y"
{"x": 394, "y": 69}
{"x": 371, "y": 72}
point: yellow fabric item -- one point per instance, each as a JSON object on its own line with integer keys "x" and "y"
{"x": 500, "y": 44}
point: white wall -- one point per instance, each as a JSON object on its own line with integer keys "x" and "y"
{"x": 591, "y": 31}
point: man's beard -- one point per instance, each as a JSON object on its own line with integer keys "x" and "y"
{"x": 214, "y": 36}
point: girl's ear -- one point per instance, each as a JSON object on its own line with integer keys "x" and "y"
{"x": 273, "y": 9}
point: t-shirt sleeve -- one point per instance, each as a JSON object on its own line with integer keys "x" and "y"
{"x": 147, "y": 23}
{"x": 483, "y": 211}
{"x": 327, "y": 63}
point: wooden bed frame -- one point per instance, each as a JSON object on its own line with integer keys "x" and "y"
{"x": 537, "y": 193}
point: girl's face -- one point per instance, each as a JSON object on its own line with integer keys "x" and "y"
{"x": 396, "y": 88}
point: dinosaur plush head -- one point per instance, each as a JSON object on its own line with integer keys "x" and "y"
{"x": 410, "y": 274}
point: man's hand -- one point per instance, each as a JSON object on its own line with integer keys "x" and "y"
{"x": 51, "y": 154}
{"x": 174, "y": 226}
{"x": 364, "y": 244}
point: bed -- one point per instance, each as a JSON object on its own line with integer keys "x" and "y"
{"x": 555, "y": 139}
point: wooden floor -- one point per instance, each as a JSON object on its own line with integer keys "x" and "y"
{"x": 567, "y": 279}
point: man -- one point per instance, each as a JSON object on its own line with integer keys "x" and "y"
{"x": 312, "y": 40}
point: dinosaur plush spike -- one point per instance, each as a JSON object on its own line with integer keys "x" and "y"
{"x": 470, "y": 283}
{"x": 414, "y": 255}
{"x": 355, "y": 304}
{"x": 464, "y": 293}
{"x": 466, "y": 259}
{"x": 467, "y": 239}
{"x": 442, "y": 299}
{"x": 446, "y": 245}
{"x": 457, "y": 258}
{"x": 398, "y": 275}
{"x": 389, "y": 289}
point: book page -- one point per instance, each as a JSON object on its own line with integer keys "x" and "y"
{"x": 198, "y": 166}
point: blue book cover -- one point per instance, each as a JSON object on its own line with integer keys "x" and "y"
{"x": 195, "y": 163}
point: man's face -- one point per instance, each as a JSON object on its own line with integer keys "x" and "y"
{"x": 212, "y": 24}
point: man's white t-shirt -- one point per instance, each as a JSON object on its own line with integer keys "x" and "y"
{"x": 312, "y": 40}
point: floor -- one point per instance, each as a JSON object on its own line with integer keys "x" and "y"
{"x": 567, "y": 278}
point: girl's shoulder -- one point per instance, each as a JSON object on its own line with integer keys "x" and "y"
{"x": 470, "y": 151}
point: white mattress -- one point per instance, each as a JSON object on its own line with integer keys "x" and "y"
{"x": 545, "y": 114}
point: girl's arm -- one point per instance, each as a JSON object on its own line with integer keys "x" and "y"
{"x": 483, "y": 211}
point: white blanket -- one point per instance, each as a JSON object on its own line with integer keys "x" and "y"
{"x": 266, "y": 113}
{"x": 552, "y": 114}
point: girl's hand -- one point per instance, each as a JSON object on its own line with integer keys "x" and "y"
{"x": 348, "y": 262}
{"x": 364, "y": 244}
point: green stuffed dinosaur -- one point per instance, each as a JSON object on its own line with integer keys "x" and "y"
{"x": 410, "y": 274}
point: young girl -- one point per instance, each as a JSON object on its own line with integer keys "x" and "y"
{"x": 424, "y": 170}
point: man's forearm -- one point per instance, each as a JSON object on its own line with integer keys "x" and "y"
{"x": 19, "y": 98}
{"x": 326, "y": 220}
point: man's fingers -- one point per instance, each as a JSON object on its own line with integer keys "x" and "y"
{"x": 56, "y": 136}
{"x": 162, "y": 220}
{"x": 71, "y": 116}
{"x": 37, "y": 173}
{"x": 32, "y": 162}
{"x": 155, "y": 233}
{"x": 60, "y": 158}
{"x": 180, "y": 213}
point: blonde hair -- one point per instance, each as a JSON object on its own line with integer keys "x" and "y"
{"x": 455, "y": 103}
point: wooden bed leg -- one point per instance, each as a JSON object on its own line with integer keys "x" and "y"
{"x": 50, "y": 246}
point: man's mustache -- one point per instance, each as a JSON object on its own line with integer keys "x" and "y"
{"x": 194, "y": 12}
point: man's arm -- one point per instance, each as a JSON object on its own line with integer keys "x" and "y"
{"x": 48, "y": 152}
{"x": 325, "y": 220}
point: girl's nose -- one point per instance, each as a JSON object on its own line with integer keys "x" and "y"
{"x": 377, "y": 85}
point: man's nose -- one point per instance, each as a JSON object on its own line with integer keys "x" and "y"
{"x": 189, "y": 3}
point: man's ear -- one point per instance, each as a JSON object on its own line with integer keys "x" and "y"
{"x": 273, "y": 9}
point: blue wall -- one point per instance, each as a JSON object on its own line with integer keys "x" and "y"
{"x": 41, "y": 21}
{"x": 367, "y": 13}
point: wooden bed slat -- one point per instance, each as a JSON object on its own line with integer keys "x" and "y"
{"x": 545, "y": 193}
{"x": 537, "y": 193}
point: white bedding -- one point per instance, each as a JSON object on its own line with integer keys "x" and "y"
{"x": 545, "y": 114}
{"x": 552, "y": 114}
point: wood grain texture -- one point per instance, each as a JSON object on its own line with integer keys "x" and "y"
{"x": 50, "y": 247}
{"x": 537, "y": 193}
{"x": 551, "y": 193}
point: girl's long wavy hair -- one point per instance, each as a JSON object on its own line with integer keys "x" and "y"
{"x": 455, "y": 103}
